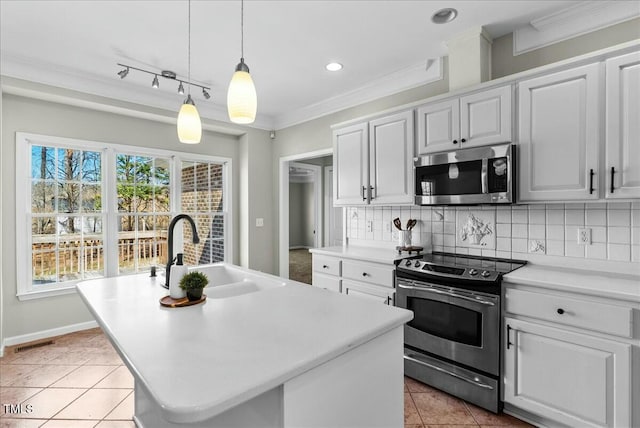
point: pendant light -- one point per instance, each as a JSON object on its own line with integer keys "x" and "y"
{"x": 189, "y": 125}
{"x": 242, "y": 101}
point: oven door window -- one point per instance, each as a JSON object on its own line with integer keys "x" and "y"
{"x": 446, "y": 320}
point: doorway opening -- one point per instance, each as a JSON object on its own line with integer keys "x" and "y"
{"x": 307, "y": 217}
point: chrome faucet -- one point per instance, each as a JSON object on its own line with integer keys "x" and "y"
{"x": 172, "y": 225}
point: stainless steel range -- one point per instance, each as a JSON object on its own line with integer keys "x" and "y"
{"x": 453, "y": 341}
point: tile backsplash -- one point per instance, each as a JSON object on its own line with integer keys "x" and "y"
{"x": 510, "y": 231}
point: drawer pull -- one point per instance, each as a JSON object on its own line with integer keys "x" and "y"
{"x": 560, "y": 311}
{"x": 325, "y": 267}
{"x": 365, "y": 274}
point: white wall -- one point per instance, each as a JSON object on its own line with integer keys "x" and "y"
{"x": 22, "y": 114}
{"x": 301, "y": 214}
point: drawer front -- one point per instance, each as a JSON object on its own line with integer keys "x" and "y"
{"x": 327, "y": 282}
{"x": 368, "y": 291}
{"x": 326, "y": 265}
{"x": 368, "y": 272}
{"x": 585, "y": 314}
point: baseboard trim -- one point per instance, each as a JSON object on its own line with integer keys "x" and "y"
{"x": 45, "y": 334}
{"x": 300, "y": 247}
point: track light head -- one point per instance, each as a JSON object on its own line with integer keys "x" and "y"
{"x": 123, "y": 73}
{"x": 181, "y": 89}
{"x": 205, "y": 94}
{"x": 155, "y": 84}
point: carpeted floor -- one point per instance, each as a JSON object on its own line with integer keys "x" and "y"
{"x": 300, "y": 265}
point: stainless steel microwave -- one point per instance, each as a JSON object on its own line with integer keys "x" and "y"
{"x": 478, "y": 175}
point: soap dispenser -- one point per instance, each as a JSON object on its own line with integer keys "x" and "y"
{"x": 177, "y": 272}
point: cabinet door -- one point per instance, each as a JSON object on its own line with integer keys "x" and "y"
{"x": 571, "y": 378}
{"x": 365, "y": 291}
{"x": 485, "y": 117}
{"x": 438, "y": 127}
{"x": 391, "y": 159}
{"x": 327, "y": 282}
{"x": 350, "y": 165}
{"x": 559, "y": 117}
{"x": 623, "y": 126}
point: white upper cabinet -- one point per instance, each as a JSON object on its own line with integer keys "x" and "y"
{"x": 350, "y": 164}
{"x": 473, "y": 120}
{"x": 373, "y": 162}
{"x": 623, "y": 126}
{"x": 559, "y": 129}
{"x": 391, "y": 159}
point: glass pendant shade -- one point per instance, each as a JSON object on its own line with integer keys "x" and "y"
{"x": 242, "y": 101}
{"x": 189, "y": 125}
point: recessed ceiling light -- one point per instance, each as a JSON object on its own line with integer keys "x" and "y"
{"x": 333, "y": 66}
{"x": 444, "y": 15}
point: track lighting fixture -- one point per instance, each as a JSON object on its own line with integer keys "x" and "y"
{"x": 167, "y": 74}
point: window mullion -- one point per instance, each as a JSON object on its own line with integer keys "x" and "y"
{"x": 110, "y": 206}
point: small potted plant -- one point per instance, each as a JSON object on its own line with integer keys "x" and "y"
{"x": 193, "y": 283}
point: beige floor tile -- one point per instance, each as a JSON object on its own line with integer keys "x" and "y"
{"x": 124, "y": 410}
{"x": 43, "y": 376}
{"x": 104, "y": 358}
{"x": 452, "y": 426}
{"x": 440, "y": 408}
{"x": 50, "y": 401}
{"x": 21, "y": 423}
{"x": 94, "y": 404}
{"x": 12, "y": 372}
{"x": 415, "y": 426}
{"x": 84, "y": 377}
{"x": 74, "y": 356}
{"x": 11, "y": 395}
{"x": 68, "y": 423}
{"x": 116, "y": 424}
{"x": 484, "y": 417}
{"x": 411, "y": 416}
{"x": 37, "y": 356}
{"x": 119, "y": 378}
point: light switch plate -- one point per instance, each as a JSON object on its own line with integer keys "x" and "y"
{"x": 259, "y": 222}
{"x": 369, "y": 225}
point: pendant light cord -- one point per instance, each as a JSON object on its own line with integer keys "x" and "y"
{"x": 242, "y": 29}
{"x": 189, "y": 50}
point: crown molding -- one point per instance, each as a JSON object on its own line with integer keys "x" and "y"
{"x": 420, "y": 74}
{"x": 41, "y": 72}
{"x": 572, "y": 21}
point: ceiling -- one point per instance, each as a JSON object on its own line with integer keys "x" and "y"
{"x": 76, "y": 45}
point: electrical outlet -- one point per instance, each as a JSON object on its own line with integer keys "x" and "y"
{"x": 369, "y": 225}
{"x": 584, "y": 236}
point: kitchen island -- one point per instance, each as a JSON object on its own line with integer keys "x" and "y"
{"x": 282, "y": 355}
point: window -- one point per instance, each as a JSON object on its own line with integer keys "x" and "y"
{"x": 95, "y": 210}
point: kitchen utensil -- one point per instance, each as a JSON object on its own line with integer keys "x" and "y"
{"x": 411, "y": 223}
{"x": 397, "y": 223}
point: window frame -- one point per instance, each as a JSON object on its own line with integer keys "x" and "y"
{"x": 109, "y": 210}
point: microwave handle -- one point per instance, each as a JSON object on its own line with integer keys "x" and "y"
{"x": 484, "y": 176}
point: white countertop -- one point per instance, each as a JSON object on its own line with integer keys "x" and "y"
{"x": 616, "y": 286}
{"x": 372, "y": 254}
{"x": 201, "y": 360}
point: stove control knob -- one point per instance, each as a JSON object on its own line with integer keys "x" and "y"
{"x": 485, "y": 273}
{"x": 407, "y": 263}
{"x": 473, "y": 272}
{"x": 417, "y": 263}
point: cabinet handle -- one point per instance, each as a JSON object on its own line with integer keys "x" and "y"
{"x": 388, "y": 300}
{"x": 464, "y": 140}
{"x": 364, "y": 193}
{"x": 325, "y": 267}
{"x": 613, "y": 171}
{"x": 364, "y": 274}
{"x": 560, "y": 311}
{"x": 371, "y": 188}
{"x": 591, "y": 174}
{"x": 455, "y": 141}
{"x": 509, "y": 336}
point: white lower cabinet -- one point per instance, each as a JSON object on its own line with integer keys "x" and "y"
{"x": 571, "y": 378}
{"x": 363, "y": 279}
{"x": 570, "y": 359}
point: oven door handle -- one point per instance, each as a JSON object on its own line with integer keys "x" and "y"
{"x": 415, "y": 359}
{"x": 447, "y": 293}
